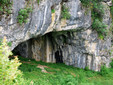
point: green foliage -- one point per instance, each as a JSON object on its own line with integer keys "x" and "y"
{"x": 38, "y": 1}
{"x": 111, "y": 52}
{"x": 89, "y": 3}
{"x": 9, "y": 44}
{"x": 70, "y": 80}
{"x": 52, "y": 10}
{"x": 111, "y": 10}
{"x": 9, "y": 73}
{"x": 60, "y": 74}
{"x": 86, "y": 2}
{"x": 97, "y": 15}
{"x": 86, "y": 68}
{"x": 5, "y": 6}
{"x": 111, "y": 34}
{"x": 97, "y": 10}
{"x": 65, "y": 12}
{"x": 98, "y": 25}
{"x": 23, "y": 15}
{"x": 104, "y": 70}
{"x": 100, "y": 28}
{"x": 111, "y": 64}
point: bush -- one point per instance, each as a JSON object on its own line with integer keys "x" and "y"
{"x": 23, "y": 15}
{"x": 97, "y": 12}
{"x": 89, "y": 3}
{"x": 100, "y": 28}
{"x": 104, "y": 70}
{"x": 38, "y": 1}
{"x": 111, "y": 64}
{"x": 112, "y": 12}
{"x": 52, "y": 10}
{"x": 85, "y": 2}
{"x": 9, "y": 73}
{"x": 86, "y": 68}
{"x": 5, "y": 6}
{"x": 111, "y": 9}
{"x": 65, "y": 12}
{"x": 70, "y": 80}
{"x": 98, "y": 25}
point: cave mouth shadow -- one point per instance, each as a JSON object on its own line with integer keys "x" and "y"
{"x": 59, "y": 57}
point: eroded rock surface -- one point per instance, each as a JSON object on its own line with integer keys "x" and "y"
{"x": 41, "y": 37}
{"x": 41, "y": 20}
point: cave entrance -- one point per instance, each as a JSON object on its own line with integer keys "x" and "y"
{"x": 59, "y": 57}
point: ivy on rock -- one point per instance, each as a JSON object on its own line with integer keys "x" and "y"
{"x": 23, "y": 15}
{"x": 97, "y": 12}
{"x": 5, "y": 7}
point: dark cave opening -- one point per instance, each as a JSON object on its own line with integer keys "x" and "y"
{"x": 59, "y": 57}
{"x": 23, "y": 49}
{"x": 41, "y": 47}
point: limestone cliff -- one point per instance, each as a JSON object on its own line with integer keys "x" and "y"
{"x": 47, "y": 36}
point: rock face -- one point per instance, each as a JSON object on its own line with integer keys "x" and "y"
{"x": 48, "y": 37}
{"x": 84, "y": 49}
{"x": 79, "y": 49}
{"x": 41, "y": 20}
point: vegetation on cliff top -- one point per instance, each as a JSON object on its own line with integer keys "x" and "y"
{"x": 97, "y": 12}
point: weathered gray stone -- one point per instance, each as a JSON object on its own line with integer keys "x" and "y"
{"x": 77, "y": 44}
{"x": 79, "y": 49}
{"x": 109, "y": 2}
{"x": 40, "y": 20}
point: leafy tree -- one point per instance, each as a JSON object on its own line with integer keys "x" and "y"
{"x": 9, "y": 73}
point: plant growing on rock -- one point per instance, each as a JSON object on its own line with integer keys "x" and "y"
{"x": 38, "y": 1}
{"x": 100, "y": 28}
{"x": 97, "y": 12}
{"x": 65, "y": 12}
{"x": 111, "y": 10}
{"x": 52, "y": 10}
{"x": 23, "y": 15}
{"x": 5, "y": 6}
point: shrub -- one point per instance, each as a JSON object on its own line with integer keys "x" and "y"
{"x": 5, "y": 6}
{"x": 23, "y": 15}
{"x": 70, "y": 80}
{"x": 111, "y": 10}
{"x": 89, "y": 3}
{"x": 111, "y": 64}
{"x": 9, "y": 73}
{"x": 86, "y": 3}
{"x": 38, "y": 1}
{"x": 97, "y": 12}
{"x": 104, "y": 70}
{"x": 98, "y": 25}
{"x": 52, "y": 10}
{"x": 86, "y": 68}
{"x": 100, "y": 28}
{"x": 65, "y": 12}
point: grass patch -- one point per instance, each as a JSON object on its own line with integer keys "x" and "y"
{"x": 60, "y": 74}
